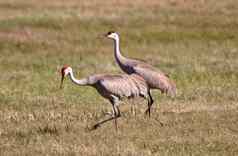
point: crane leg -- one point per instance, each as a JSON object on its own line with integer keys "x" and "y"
{"x": 116, "y": 114}
{"x": 133, "y": 108}
{"x": 100, "y": 123}
{"x": 150, "y": 103}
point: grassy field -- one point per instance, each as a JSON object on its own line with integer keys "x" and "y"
{"x": 196, "y": 42}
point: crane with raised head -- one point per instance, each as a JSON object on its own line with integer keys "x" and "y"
{"x": 155, "y": 78}
{"x": 113, "y": 88}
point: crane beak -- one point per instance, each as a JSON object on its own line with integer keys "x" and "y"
{"x": 101, "y": 36}
{"x": 105, "y": 35}
{"x": 62, "y": 80}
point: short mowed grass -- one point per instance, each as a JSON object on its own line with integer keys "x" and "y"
{"x": 196, "y": 43}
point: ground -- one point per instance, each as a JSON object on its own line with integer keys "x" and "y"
{"x": 195, "y": 42}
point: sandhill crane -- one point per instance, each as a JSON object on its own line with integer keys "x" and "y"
{"x": 113, "y": 88}
{"x": 153, "y": 77}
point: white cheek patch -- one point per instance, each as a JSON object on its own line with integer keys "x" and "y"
{"x": 67, "y": 72}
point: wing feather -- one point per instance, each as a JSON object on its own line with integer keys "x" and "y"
{"x": 156, "y": 79}
{"x": 115, "y": 86}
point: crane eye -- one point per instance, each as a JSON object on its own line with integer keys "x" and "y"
{"x": 110, "y": 32}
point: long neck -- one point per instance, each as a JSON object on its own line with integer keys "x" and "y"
{"x": 81, "y": 82}
{"x": 119, "y": 58}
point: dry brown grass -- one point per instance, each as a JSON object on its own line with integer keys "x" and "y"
{"x": 194, "y": 41}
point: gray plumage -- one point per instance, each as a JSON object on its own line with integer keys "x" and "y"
{"x": 119, "y": 85}
{"x": 154, "y": 77}
{"x": 114, "y": 87}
